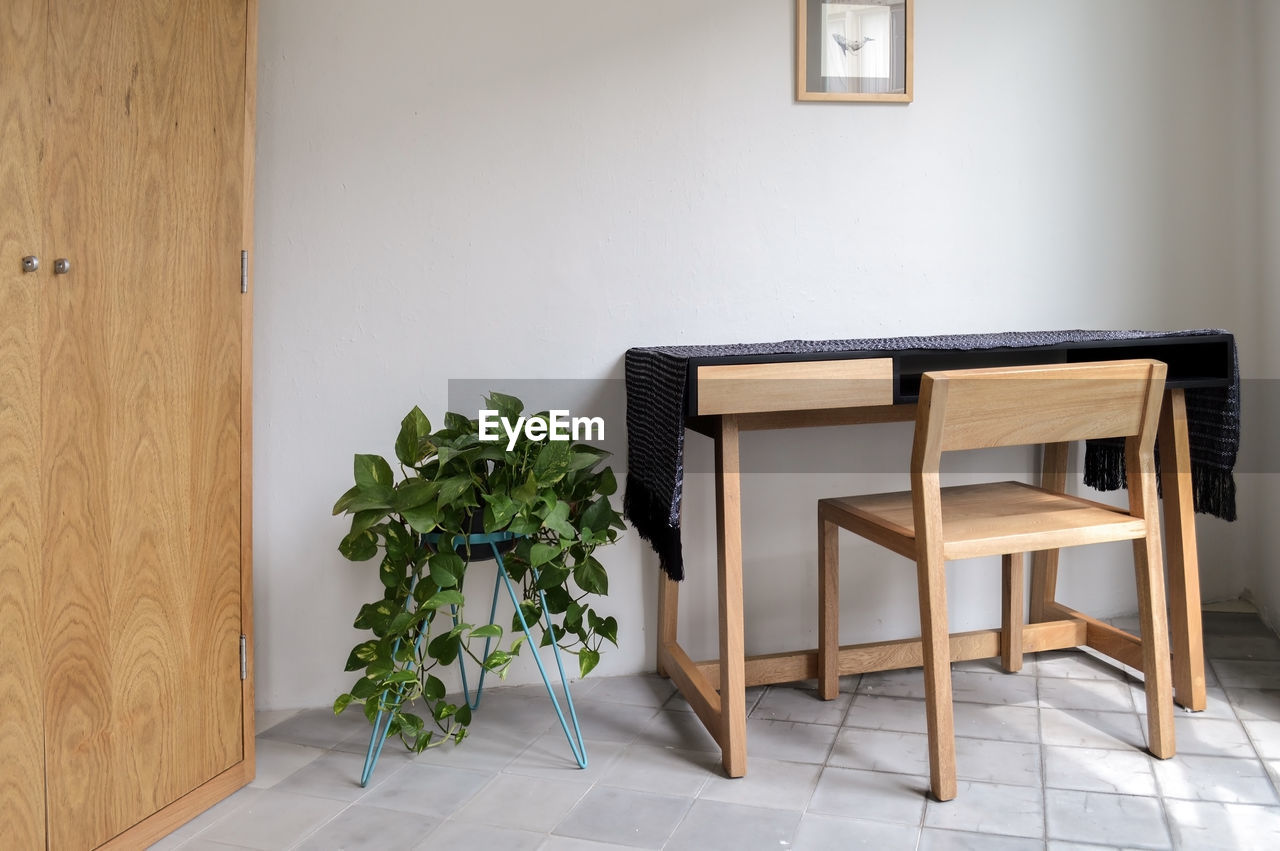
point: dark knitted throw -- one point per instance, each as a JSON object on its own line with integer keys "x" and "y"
{"x": 655, "y": 424}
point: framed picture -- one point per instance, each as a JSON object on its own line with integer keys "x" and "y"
{"x": 854, "y": 51}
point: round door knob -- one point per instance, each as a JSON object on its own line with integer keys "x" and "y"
{"x": 30, "y": 263}
{"x": 61, "y": 266}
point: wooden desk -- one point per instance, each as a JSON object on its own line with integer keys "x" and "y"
{"x": 728, "y": 396}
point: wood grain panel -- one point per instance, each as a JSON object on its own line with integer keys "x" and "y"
{"x": 733, "y": 696}
{"x": 986, "y": 519}
{"x": 798, "y": 386}
{"x": 988, "y": 407}
{"x": 22, "y": 38}
{"x": 794, "y": 665}
{"x": 1185, "y": 629}
{"x": 141, "y": 414}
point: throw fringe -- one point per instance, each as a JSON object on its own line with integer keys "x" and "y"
{"x": 648, "y": 513}
{"x": 1213, "y": 491}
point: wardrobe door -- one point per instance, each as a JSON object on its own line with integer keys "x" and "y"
{"x": 141, "y": 410}
{"x": 22, "y": 46}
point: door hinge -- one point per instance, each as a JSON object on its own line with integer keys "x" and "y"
{"x": 244, "y": 271}
{"x": 244, "y": 658}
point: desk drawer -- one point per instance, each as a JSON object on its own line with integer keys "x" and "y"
{"x": 794, "y": 386}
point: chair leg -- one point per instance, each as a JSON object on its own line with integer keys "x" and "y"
{"x": 931, "y": 577}
{"x": 828, "y": 608}
{"x": 1011, "y": 612}
{"x": 1156, "y": 669}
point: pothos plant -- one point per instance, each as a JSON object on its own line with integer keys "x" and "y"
{"x": 552, "y": 495}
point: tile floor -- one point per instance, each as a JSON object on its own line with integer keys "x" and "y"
{"x": 1048, "y": 758}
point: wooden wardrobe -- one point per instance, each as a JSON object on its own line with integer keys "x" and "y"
{"x": 126, "y": 701}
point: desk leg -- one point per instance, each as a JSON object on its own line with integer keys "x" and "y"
{"x": 1184, "y": 565}
{"x": 733, "y": 684}
{"x": 1044, "y": 563}
{"x": 668, "y": 609}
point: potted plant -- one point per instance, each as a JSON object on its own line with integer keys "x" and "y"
{"x": 546, "y": 500}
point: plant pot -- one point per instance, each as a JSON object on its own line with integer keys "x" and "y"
{"x": 482, "y": 543}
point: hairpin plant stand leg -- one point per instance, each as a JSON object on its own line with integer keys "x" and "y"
{"x": 382, "y": 723}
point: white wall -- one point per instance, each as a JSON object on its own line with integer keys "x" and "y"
{"x": 453, "y": 190}
{"x": 1265, "y": 484}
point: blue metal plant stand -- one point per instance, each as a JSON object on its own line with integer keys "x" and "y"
{"x": 491, "y": 539}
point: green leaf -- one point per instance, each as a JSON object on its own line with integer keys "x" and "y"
{"x": 542, "y": 553}
{"x": 361, "y": 655}
{"x": 364, "y": 689}
{"x": 587, "y": 660}
{"x": 598, "y": 515}
{"x": 608, "y": 484}
{"x": 573, "y": 615}
{"x": 497, "y": 659}
{"x": 557, "y": 520}
{"x": 443, "y": 598}
{"x": 361, "y": 546}
{"x": 552, "y": 462}
{"x": 401, "y": 544}
{"x": 491, "y": 630}
{"x": 531, "y": 612}
{"x": 609, "y": 629}
{"x": 527, "y": 491}
{"x": 585, "y": 457}
{"x": 499, "y": 511}
{"x": 457, "y": 422}
{"x": 343, "y": 701}
{"x": 433, "y": 688}
{"x": 558, "y": 599}
{"x": 344, "y": 502}
{"x": 525, "y": 525}
{"x": 423, "y": 519}
{"x": 413, "y": 428}
{"x": 362, "y": 520}
{"x": 454, "y": 487}
{"x": 381, "y": 666}
{"x": 446, "y": 568}
{"x": 551, "y": 576}
{"x": 400, "y": 623}
{"x": 444, "y": 648}
{"x": 390, "y": 573}
{"x": 591, "y": 577}
{"x": 506, "y": 406}
{"x": 412, "y": 493}
{"x": 373, "y": 470}
{"x": 547, "y": 635}
{"x": 464, "y": 715}
{"x": 375, "y": 496}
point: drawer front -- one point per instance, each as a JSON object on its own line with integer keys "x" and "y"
{"x": 796, "y": 386}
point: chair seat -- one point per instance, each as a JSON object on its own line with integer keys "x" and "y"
{"x": 986, "y": 519}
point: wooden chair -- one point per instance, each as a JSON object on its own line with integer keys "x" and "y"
{"x": 979, "y": 408}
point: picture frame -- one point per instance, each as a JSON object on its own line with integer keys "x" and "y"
{"x": 854, "y": 51}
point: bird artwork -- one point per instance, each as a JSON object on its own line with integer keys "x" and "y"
{"x": 850, "y": 46}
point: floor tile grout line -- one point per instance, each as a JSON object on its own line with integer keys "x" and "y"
{"x": 322, "y": 825}
{"x": 1164, "y": 794}
{"x": 1248, "y": 735}
{"x": 1044, "y": 761}
{"x": 822, "y": 766}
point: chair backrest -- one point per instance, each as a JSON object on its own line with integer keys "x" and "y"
{"x": 1015, "y": 406}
